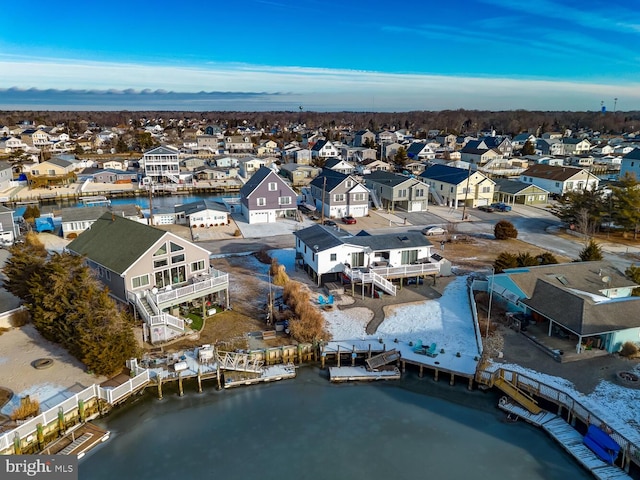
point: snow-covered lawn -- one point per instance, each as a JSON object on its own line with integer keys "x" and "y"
{"x": 446, "y": 321}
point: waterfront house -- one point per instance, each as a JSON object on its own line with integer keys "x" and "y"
{"x": 9, "y": 229}
{"x": 202, "y": 214}
{"x": 339, "y": 195}
{"x": 399, "y": 191}
{"x": 250, "y": 165}
{"x": 161, "y": 165}
{"x": 479, "y": 156}
{"x": 115, "y": 164}
{"x": 238, "y": 144}
{"x": 11, "y": 144}
{"x": 329, "y": 254}
{"x": 372, "y": 165}
{"x": 456, "y": 187}
{"x": 576, "y": 146}
{"x": 630, "y": 164}
{"x": 299, "y": 175}
{"x": 52, "y": 172}
{"x": 108, "y": 175}
{"x": 76, "y": 220}
{"x": 590, "y": 301}
{"x": 6, "y": 175}
{"x": 266, "y": 197}
{"x": 549, "y": 146}
{"x": 515, "y": 192}
{"x": 519, "y": 140}
{"x": 155, "y": 271}
{"x": 560, "y": 180}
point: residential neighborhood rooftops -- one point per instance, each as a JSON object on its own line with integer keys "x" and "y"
{"x": 446, "y": 174}
{"x": 551, "y": 173}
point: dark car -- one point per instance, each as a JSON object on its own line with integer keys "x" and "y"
{"x": 501, "y": 207}
{"x": 349, "y": 220}
{"x": 486, "y": 208}
{"x": 329, "y": 223}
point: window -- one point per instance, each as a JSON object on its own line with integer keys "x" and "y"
{"x": 261, "y": 201}
{"x": 313, "y": 257}
{"x": 419, "y": 192}
{"x": 160, "y": 263}
{"x": 175, "y": 247}
{"x": 409, "y": 256}
{"x": 197, "y": 266}
{"x": 140, "y": 281}
{"x": 284, "y": 200}
{"x": 357, "y": 259}
{"x": 402, "y": 193}
{"x": 338, "y": 197}
{"x": 161, "y": 251}
{"x": 359, "y": 197}
{"x": 349, "y": 183}
{"x": 177, "y": 258}
{"x": 557, "y": 184}
{"x": 333, "y": 257}
{"x": 486, "y": 189}
{"x": 273, "y": 186}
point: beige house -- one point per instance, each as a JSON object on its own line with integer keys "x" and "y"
{"x": 157, "y": 272}
{"x": 457, "y": 187}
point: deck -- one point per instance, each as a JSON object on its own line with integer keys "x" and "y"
{"x": 268, "y": 374}
{"x": 79, "y": 441}
{"x": 355, "y": 374}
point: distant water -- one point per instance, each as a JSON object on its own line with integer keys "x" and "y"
{"x": 143, "y": 201}
{"x": 308, "y": 428}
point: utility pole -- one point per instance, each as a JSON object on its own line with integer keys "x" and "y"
{"x": 324, "y": 187}
{"x": 151, "y": 203}
{"x": 466, "y": 193}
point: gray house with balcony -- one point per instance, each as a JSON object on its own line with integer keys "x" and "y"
{"x": 266, "y": 197}
{"x": 155, "y": 271}
{"x": 339, "y": 195}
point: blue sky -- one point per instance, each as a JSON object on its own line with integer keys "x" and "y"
{"x": 324, "y": 55}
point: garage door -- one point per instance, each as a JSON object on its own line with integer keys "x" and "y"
{"x": 482, "y": 201}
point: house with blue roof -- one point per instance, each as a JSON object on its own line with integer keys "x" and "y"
{"x": 630, "y": 164}
{"x": 456, "y": 187}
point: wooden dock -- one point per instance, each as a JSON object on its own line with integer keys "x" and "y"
{"x": 359, "y": 374}
{"x": 79, "y": 441}
{"x": 268, "y": 374}
{"x": 568, "y": 437}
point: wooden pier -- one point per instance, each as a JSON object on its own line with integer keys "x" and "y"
{"x": 359, "y": 374}
{"x": 268, "y": 374}
{"x": 568, "y": 437}
{"x": 78, "y": 441}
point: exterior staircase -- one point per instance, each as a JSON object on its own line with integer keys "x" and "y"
{"x": 518, "y": 395}
{"x": 376, "y": 200}
{"x": 371, "y": 277}
{"x": 436, "y": 196}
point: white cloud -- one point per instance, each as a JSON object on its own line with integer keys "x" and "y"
{"x": 322, "y": 89}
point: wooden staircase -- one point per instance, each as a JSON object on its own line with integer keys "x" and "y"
{"x": 518, "y": 395}
{"x": 383, "y": 359}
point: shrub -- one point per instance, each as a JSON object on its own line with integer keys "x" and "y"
{"x": 19, "y": 318}
{"x": 629, "y": 349}
{"x": 278, "y": 273}
{"x": 547, "y": 258}
{"x": 237, "y": 233}
{"x": 505, "y": 260}
{"x": 505, "y": 230}
{"x": 592, "y": 252}
{"x": 28, "y": 408}
{"x": 72, "y": 235}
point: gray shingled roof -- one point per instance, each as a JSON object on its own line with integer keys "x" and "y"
{"x": 581, "y": 313}
{"x": 504, "y": 185}
{"x": 115, "y": 242}
{"x": 329, "y": 237}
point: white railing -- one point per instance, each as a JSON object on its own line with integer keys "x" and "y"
{"x": 474, "y": 313}
{"x": 565, "y": 399}
{"x": 166, "y": 319}
{"x": 407, "y": 270}
{"x": 436, "y": 196}
{"x": 198, "y": 286}
{"x": 49, "y": 416}
{"x": 371, "y": 277}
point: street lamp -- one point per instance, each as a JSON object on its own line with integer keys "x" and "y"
{"x": 493, "y": 272}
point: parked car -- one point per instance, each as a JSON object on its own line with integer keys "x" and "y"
{"x": 433, "y": 230}
{"x": 329, "y": 223}
{"x": 501, "y": 207}
{"x": 486, "y": 208}
{"x": 349, "y": 220}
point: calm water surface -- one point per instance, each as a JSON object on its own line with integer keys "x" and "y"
{"x": 308, "y": 428}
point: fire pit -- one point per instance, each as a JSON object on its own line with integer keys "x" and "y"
{"x": 628, "y": 379}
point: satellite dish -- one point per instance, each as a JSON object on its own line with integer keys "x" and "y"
{"x": 606, "y": 279}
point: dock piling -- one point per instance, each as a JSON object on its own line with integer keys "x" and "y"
{"x": 159, "y": 387}
{"x": 180, "y": 389}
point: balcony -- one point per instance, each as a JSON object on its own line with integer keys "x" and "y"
{"x": 196, "y": 287}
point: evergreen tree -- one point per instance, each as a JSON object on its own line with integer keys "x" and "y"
{"x": 401, "y": 157}
{"x": 25, "y": 261}
{"x": 633, "y": 272}
{"x": 527, "y": 260}
{"x": 528, "y": 148}
{"x": 626, "y": 198}
{"x": 505, "y": 230}
{"x": 547, "y": 258}
{"x": 505, "y": 260}
{"x": 592, "y": 252}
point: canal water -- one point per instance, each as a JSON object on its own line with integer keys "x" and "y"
{"x": 308, "y": 428}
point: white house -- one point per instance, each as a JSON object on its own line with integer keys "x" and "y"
{"x": 560, "y": 180}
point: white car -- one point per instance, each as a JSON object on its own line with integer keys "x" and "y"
{"x": 433, "y": 230}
